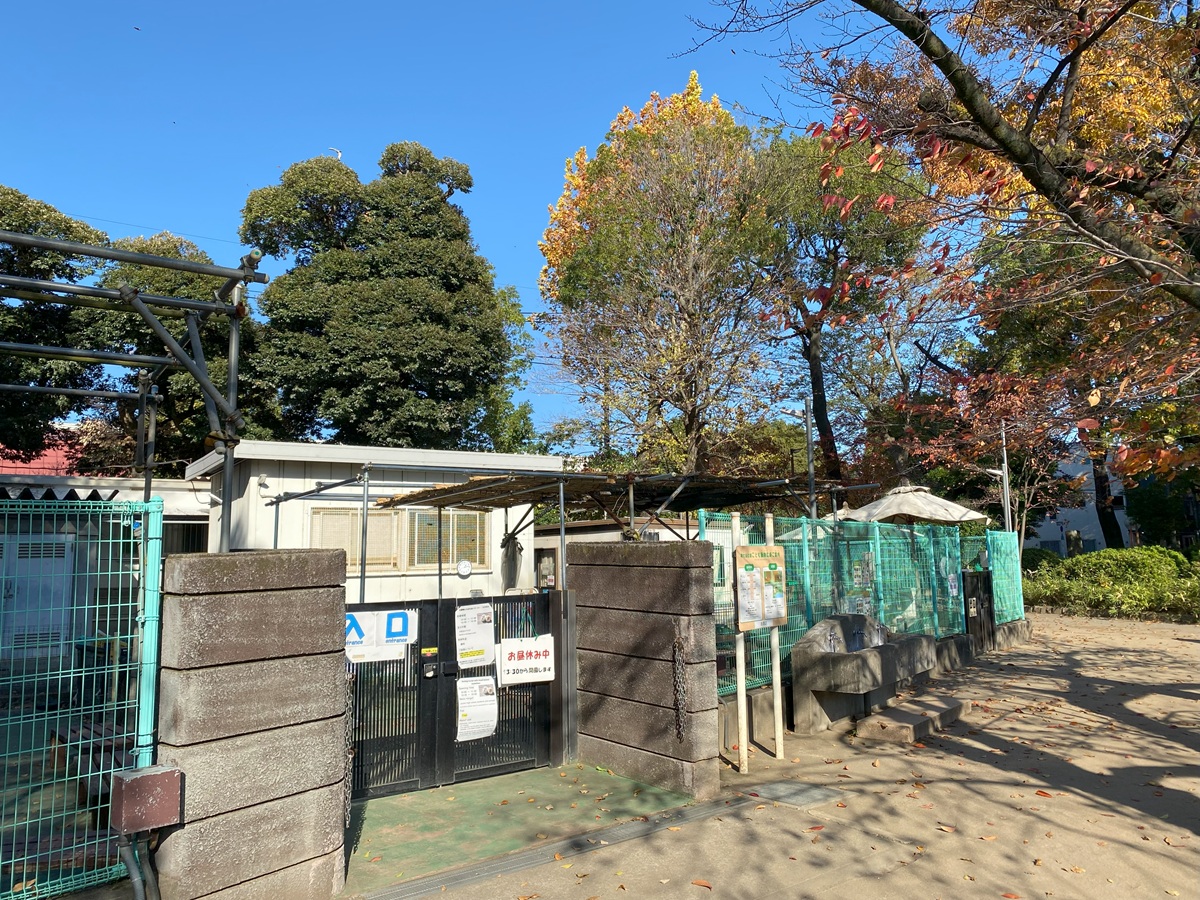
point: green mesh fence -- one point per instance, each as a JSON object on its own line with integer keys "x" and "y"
{"x": 907, "y": 576}
{"x": 973, "y": 550}
{"x": 1004, "y": 559}
{"x": 79, "y": 614}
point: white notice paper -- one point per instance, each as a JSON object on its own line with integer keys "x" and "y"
{"x": 478, "y": 710}
{"x": 475, "y": 635}
{"x": 524, "y": 660}
{"x": 749, "y": 594}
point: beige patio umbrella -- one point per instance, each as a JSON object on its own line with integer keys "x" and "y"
{"x": 913, "y": 503}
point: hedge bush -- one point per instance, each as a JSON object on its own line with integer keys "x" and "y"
{"x": 1119, "y": 582}
{"x": 1035, "y": 558}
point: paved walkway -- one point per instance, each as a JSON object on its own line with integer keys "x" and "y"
{"x": 1074, "y": 775}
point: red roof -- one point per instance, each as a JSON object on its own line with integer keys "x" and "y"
{"x": 53, "y": 462}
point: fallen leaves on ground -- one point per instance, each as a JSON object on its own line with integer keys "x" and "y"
{"x": 700, "y": 882}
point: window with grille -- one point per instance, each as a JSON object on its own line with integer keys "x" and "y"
{"x": 464, "y": 536}
{"x": 402, "y": 539}
{"x": 341, "y": 528}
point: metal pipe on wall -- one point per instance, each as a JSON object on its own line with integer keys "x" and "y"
{"x": 362, "y": 549}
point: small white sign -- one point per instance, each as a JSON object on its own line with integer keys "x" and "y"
{"x": 475, "y": 635}
{"x": 478, "y": 709}
{"x": 525, "y": 660}
{"x": 372, "y": 636}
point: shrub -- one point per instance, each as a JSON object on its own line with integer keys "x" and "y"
{"x": 1035, "y": 558}
{"x": 1122, "y": 566}
{"x": 1119, "y": 582}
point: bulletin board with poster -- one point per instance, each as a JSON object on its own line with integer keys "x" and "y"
{"x": 760, "y": 587}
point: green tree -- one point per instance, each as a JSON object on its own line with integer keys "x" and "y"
{"x": 388, "y": 329}
{"x": 182, "y": 423}
{"x": 1070, "y": 124}
{"x": 28, "y": 418}
{"x": 658, "y": 310}
{"x": 1161, "y": 508}
{"x": 828, "y": 240}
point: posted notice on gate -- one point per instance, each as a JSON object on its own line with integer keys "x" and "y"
{"x": 478, "y": 708}
{"x": 373, "y": 635}
{"x": 525, "y": 660}
{"x": 760, "y": 586}
{"x": 475, "y": 635}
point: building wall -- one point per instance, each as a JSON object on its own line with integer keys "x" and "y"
{"x": 1050, "y": 534}
{"x": 253, "y": 526}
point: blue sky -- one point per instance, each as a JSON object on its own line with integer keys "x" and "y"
{"x": 143, "y": 117}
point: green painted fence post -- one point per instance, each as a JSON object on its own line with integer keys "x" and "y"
{"x": 151, "y": 587}
{"x": 933, "y": 591}
{"x": 877, "y": 580}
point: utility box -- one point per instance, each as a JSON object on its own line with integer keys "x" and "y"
{"x": 146, "y": 799}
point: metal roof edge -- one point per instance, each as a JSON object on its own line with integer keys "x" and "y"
{"x": 393, "y": 457}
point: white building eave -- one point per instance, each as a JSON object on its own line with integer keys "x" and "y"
{"x": 391, "y": 457}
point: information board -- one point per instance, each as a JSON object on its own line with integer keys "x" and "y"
{"x": 760, "y": 587}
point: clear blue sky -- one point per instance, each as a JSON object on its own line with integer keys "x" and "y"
{"x": 150, "y": 116}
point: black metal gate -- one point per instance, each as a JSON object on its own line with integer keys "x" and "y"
{"x": 979, "y": 609}
{"x": 406, "y": 711}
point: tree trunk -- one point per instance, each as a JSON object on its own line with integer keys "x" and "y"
{"x": 1109, "y": 526}
{"x": 811, "y": 343}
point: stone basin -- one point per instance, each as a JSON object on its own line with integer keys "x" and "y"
{"x": 847, "y": 664}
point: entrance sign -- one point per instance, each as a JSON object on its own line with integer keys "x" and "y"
{"x": 760, "y": 586}
{"x": 525, "y": 660}
{"x": 478, "y": 709}
{"x": 372, "y": 636}
{"x": 475, "y": 635}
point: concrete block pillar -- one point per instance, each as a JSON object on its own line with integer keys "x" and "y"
{"x": 647, "y": 661}
{"x": 252, "y": 703}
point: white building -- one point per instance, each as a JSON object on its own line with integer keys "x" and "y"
{"x": 402, "y": 542}
{"x": 1050, "y": 532}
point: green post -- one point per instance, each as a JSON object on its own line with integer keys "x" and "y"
{"x": 933, "y": 591}
{"x": 805, "y": 527}
{"x": 877, "y": 548}
{"x": 151, "y": 590}
{"x": 701, "y": 526}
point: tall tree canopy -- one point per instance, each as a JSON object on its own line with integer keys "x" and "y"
{"x": 656, "y": 302}
{"x": 28, "y": 417}
{"x": 388, "y": 330}
{"x": 829, "y": 244}
{"x": 1072, "y": 125}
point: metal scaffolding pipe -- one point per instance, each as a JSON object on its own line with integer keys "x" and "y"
{"x": 86, "y": 356}
{"x": 83, "y": 290}
{"x": 67, "y": 392}
{"x": 145, "y": 259}
{"x": 85, "y": 301}
{"x": 225, "y": 406}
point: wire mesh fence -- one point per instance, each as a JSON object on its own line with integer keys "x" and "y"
{"x": 1004, "y": 559}
{"x": 909, "y": 577}
{"x": 79, "y": 612}
{"x": 973, "y": 549}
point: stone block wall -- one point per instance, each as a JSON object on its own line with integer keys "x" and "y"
{"x": 632, "y": 602}
{"x": 252, "y": 703}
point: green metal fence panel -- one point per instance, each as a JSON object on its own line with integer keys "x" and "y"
{"x": 1004, "y": 559}
{"x": 947, "y": 552}
{"x": 907, "y": 576}
{"x": 973, "y": 550}
{"x": 79, "y": 613}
